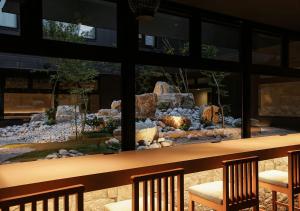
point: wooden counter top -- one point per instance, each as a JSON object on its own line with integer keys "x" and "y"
{"x": 104, "y": 171}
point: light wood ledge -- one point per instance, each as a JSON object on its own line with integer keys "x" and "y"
{"x": 104, "y": 171}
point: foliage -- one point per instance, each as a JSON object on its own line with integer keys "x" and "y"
{"x": 216, "y": 79}
{"x": 94, "y": 123}
{"x": 95, "y": 134}
{"x": 185, "y": 127}
{"x": 147, "y": 77}
{"x": 77, "y": 74}
{"x": 51, "y": 116}
{"x": 110, "y": 126}
{"x": 163, "y": 105}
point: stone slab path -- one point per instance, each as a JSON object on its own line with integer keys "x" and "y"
{"x": 6, "y": 154}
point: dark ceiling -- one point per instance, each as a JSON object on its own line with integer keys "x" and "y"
{"x": 282, "y": 13}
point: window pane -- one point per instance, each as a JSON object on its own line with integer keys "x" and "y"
{"x": 294, "y": 56}
{"x": 43, "y": 97}
{"x": 165, "y": 34}
{"x": 276, "y": 103}
{"x": 266, "y": 49}
{"x": 180, "y": 106}
{"x": 9, "y": 17}
{"x": 220, "y": 42}
{"x": 88, "y": 22}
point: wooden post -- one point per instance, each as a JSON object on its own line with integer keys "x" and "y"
{"x": 128, "y": 44}
{"x": 246, "y": 60}
{"x": 2, "y": 89}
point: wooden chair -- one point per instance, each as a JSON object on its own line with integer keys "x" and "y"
{"x": 44, "y": 197}
{"x": 160, "y": 191}
{"x": 238, "y": 190}
{"x": 284, "y": 182}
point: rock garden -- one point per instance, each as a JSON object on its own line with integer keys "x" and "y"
{"x": 164, "y": 118}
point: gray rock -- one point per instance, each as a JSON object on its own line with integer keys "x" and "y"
{"x": 237, "y": 122}
{"x": 142, "y": 147}
{"x": 40, "y": 117}
{"x": 162, "y": 87}
{"x": 166, "y": 143}
{"x": 66, "y": 113}
{"x": 155, "y": 146}
{"x": 52, "y": 156}
{"x": 72, "y": 151}
{"x": 63, "y": 152}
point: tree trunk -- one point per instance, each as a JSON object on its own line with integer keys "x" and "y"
{"x": 219, "y": 99}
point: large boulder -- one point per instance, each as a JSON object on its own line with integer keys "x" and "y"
{"x": 184, "y": 100}
{"x": 162, "y": 87}
{"x": 145, "y": 105}
{"x": 116, "y": 104}
{"x": 108, "y": 112}
{"x": 146, "y": 131}
{"x": 66, "y": 113}
{"x": 176, "y": 121}
{"x": 147, "y": 134}
{"x": 210, "y": 114}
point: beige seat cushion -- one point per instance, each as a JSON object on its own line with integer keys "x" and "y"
{"x": 212, "y": 191}
{"x": 118, "y": 206}
{"x": 275, "y": 177}
{"x": 126, "y": 205}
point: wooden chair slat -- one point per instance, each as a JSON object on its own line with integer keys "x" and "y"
{"x": 180, "y": 193}
{"x": 232, "y": 198}
{"x": 236, "y": 182}
{"x": 152, "y": 197}
{"x": 45, "y": 205}
{"x": 80, "y": 201}
{"x": 166, "y": 193}
{"x": 250, "y": 180}
{"x": 22, "y": 207}
{"x": 159, "y": 196}
{"x": 145, "y": 196}
{"x": 172, "y": 194}
{"x": 242, "y": 182}
{"x": 135, "y": 196}
{"x": 33, "y": 206}
{"x": 56, "y": 203}
{"x": 66, "y": 203}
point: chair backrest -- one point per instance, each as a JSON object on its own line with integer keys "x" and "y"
{"x": 160, "y": 191}
{"x": 33, "y": 199}
{"x": 240, "y": 183}
{"x": 294, "y": 170}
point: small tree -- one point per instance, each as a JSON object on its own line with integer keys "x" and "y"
{"x": 215, "y": 78}
{"x": 78, "y": 74}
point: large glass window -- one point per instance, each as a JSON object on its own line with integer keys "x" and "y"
{"x": 56, "y": 108}
{"x": 88, "y": 22}
{"x": 220, "y": 42}
{"x": 294, "y": 54}
{"x": 275, "y": 105}
{"x": 167, "y": 34}
{"x": 8, "y": 17}
{"x": 182, "y": 106}
{"x": 266, "y": 49}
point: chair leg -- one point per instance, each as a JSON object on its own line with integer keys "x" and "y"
{"x": 274, "y": 200}
{"x": 191, "y": 205}
{"x": 256, "y": 208}
{"x": 291, "y": 201}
